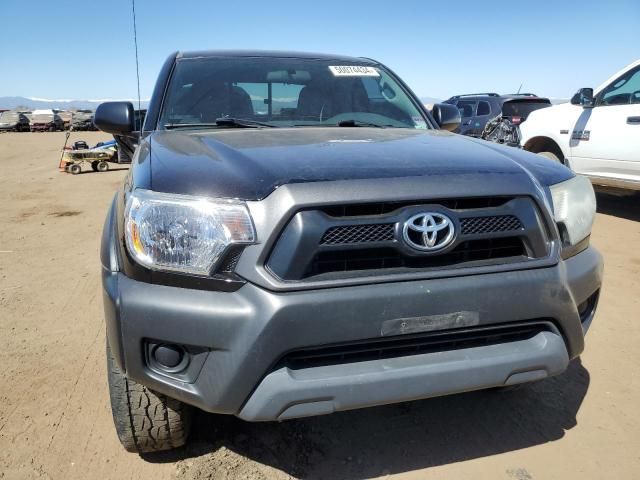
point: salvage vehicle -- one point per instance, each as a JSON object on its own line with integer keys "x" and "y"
{"x": 478, "y": 109}
{"x": 505, "y": 127}
{"x": 82, "y": 120}
{"x": 297, "y": 235}
{"x": 597, "y": 133}
{"x": 46, "y": 121}
{"x": 14, "y": 121}
{"x": 66, "y": 117}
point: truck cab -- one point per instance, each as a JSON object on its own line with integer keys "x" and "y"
{"x": 597, "y": 133}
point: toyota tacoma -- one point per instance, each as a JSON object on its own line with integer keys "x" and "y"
{"x": 297, "y": 236}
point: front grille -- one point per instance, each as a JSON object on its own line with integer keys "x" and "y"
{"x": 500, "y": 223}
{"x": 358, "y": 234}
{"x": 336, "y": 242}
{"x": 388, "y": 258}
{"x": 407, "y": 345}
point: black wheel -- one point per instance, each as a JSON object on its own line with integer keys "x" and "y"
{"x": 103, "y": 166}
{"x": 52, "y": 128}
{"x": 145, "y": 421}
{"x": 94, "y": 165}
{"x": 75, "y": 169}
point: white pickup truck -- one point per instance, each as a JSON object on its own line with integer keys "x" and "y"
{"x": 597, "y": 133}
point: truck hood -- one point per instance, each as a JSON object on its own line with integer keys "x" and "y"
{"x": 249, "y": 164}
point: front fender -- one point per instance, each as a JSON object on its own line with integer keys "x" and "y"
{"x": 110, "y": 291}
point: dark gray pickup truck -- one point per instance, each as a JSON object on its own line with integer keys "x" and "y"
{"x": 297, "y": 236}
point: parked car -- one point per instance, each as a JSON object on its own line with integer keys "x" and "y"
{"x": 298, "y": 235}
{"x": 596, "y": 134}
{"x": 66, "y": 117}
{"x": 15, "y": 121}
{"x": 46, "y": 121}
{"x": 82, "y": 120}
{"x": 477, "y": 109}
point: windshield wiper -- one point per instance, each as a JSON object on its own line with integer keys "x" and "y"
{"x": 221, "y": 122}
{"x": 241, "y": 122}
{"x": 358, "y": 123}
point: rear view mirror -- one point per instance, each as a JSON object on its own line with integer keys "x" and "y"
{"x": 115, "y": 118}
{"x": 446, "y": 116}
{"x": 584, "y": 98}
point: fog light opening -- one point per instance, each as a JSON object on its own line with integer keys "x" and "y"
{"x": 169, "y": 358}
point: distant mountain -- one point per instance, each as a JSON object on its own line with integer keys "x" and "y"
{"x": 429, "y": 100}
{"x": 64, "y": 104}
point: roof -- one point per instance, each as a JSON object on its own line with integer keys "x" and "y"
{"x": 274, "y": 54}
{"x": 504, "y": 98}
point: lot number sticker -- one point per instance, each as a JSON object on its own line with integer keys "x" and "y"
{"x": 353, "y": 71}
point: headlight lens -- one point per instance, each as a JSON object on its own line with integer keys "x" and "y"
{"x": 183, "y": 233}
{"x": 574, "y": 208}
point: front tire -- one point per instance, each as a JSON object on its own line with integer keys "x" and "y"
{"x": 145, "y": 421}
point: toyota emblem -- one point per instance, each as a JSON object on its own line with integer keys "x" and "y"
{"x": 429, "y": 231}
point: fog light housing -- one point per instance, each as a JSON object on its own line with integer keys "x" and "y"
{"x": 168, "y": 358}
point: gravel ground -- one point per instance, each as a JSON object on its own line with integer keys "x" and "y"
{"x": 55, "y": 420}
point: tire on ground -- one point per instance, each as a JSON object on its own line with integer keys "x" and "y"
{"x": 145, "y": 421}
{"x": 102, "y": 166}
{"x": 550, "y": 156}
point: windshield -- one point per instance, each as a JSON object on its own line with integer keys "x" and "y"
{"x": 286, "y": 92}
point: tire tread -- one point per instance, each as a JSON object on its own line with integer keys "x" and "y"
{"x": 146, "y": 421}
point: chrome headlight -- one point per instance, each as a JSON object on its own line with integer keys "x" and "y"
{"x": 183, "y": 233}
{"x": 574, "y": 209}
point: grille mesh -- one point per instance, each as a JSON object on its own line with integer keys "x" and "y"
{"x": 382, "y": 232}
{"x": 500, "y": 223}
{"x": 358, "y": 234}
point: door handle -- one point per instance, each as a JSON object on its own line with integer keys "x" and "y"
{"x": 633, "y": 120}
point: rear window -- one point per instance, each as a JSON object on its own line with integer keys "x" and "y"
{"x": 522, "y": 108}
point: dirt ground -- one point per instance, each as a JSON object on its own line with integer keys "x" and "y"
{"x": 55, "y": 420}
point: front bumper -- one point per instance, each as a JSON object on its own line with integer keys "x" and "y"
{"x": 243, "y": 334}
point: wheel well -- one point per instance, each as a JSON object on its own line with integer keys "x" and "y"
{"x": 545, "y": 144}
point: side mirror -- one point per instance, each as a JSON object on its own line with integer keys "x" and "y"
{"x": 115, "y": 118}
{"x": 584, "y": 98}
{"x": 446, "y": 116}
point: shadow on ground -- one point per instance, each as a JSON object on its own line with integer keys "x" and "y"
{"x": 395, "y": 438}
{"x": 627, "y": 206}
{"x": 111, "y": 169}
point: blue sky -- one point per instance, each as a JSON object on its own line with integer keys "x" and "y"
{"x": 84, "y": 49}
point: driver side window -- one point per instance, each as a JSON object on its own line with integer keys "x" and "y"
{"x": 622, "y": 91}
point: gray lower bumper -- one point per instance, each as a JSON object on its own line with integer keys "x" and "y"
{"x": 286, "y": 393}
{"x": 244, "y": 333}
